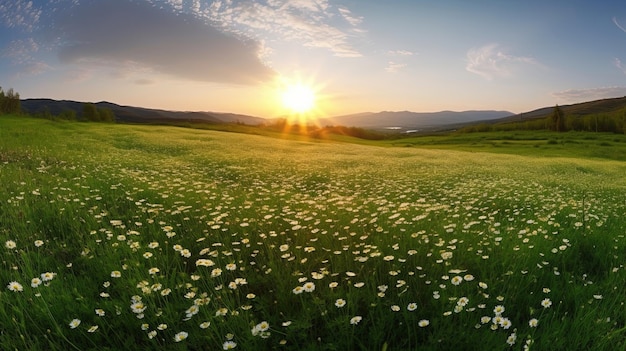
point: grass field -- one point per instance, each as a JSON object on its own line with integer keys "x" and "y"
{"x": 119, "y": 237}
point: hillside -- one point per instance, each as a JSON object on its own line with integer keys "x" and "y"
{"x": 131, "y": 114}
{"x": 578, "y": 109}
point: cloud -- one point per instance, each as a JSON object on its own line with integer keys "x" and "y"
{"x": 618, "y": 25}
{"x": 590, "y": 94}
{"x": 619, "y": 65}
{"x": 400, "y": 53}
{"x": 313, "y": 23}
{"x": 394, "y": 67}
{"x": 122, "y": 33}
{"x": 490, "y": 62}
{"x": 20, "y": 14}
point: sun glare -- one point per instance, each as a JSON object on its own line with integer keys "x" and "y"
{"x": 298, "y": 98}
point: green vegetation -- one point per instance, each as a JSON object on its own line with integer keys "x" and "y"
{"x": 122, "y": 237}
{"x": 92, "y": 113}
{"x": 9, "y": 102}
{"x": 601, "y": 116}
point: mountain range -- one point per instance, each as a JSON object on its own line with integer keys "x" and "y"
{"x": 400, "y": 121}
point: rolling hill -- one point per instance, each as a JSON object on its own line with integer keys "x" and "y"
{"x": 129, "y": 114}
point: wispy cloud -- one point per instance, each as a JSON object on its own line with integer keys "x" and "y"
{"x": 121, "y": 32}
{"x": 618, "y": 63}
{"x": 491, "y": 62}
{"x": 399, "y": 60}
{"x": 394, "y": 67}
{"x": 313, "y": 23}
{"x": 618, "y": 24}
{"x": 590, "y": 94}
{"x": 400, "y": 53}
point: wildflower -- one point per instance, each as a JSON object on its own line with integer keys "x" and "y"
{"x": 147, "y": 254}
{"x": 221, "y": 312}
{"x": 74, "y": 323}
{"x": 456, "y": 280}
{"x": 533, "y": 323}
{"x": 100, "y": 312}
{"x": 48, "y": 276}
{"x": 412, "y": 306}
{"x": 92, "y": 329}
{"x": 231, "y": 267}
{"x": 308, "y": 286}
{"x": 152, "y": 334}
{"x": 261, "y": 329}
{"x": 10, "y": 244}
{"x": 193, "y": 310}
{"x": 546, "y": 303}
{"x": 498, "y": 310}
{"x": 355, "y": 320}
{"x": 511, "y": 339}
{"x": 15, "y": 286}
{"x": 395, "y": 308}
{"x": 423, "y": 323}
{"x": 340, "y": 303}
{"x": 482, "y": 285}
{"x": 38, "y": 243}
{"x": 180, "y": 336}
{"x": 463, "y": 301}
{"x": 359, "y": 285}
{"x": 216, "y": 272}
{"x": 505, "y": 323}
{"x": 166, "y": 292}
{"x": 116, "y": 274}
{"x": 35, "y": 282}
{"x": 153, "y": 271}
{"x": 229, "y": 345}
{"x": 333, "y": 285}
{"x": 138, "y": 307}
{"x": 205, "y": 325}
{"x": 468, "y": 277}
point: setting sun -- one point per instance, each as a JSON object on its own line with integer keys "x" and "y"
{"x": 298, "y": 98}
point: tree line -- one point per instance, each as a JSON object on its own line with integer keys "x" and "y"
{"x": 10, "y": 104}
{"x": 559, "y": 121}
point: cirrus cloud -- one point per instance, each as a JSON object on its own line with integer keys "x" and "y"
{"x": 491, "y": 62}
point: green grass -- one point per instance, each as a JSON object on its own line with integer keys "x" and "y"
{"x": 451, "y": 233}
{"x": 528, "y": 143}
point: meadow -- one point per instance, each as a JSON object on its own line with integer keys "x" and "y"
{"x": 125, "y": 237}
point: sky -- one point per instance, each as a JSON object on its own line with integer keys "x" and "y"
{"x": 237, "y": 56}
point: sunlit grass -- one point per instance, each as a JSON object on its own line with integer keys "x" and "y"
{"x": 142, "y": 237}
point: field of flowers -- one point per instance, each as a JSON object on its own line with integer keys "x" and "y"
{"x": 118, "y": 237}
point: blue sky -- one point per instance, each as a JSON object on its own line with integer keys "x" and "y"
{"x": 358, "y": 55}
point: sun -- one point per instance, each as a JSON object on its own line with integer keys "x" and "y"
{"x": 298, "y": 98}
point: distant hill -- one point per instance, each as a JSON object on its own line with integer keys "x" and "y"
{"x": 578, "y": 109}
{"x": 131, "y": 114}
{"x": 406, "y": 120}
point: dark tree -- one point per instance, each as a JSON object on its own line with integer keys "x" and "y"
{"x": 557, "y": 120}
{"x": 90, "y": 112}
